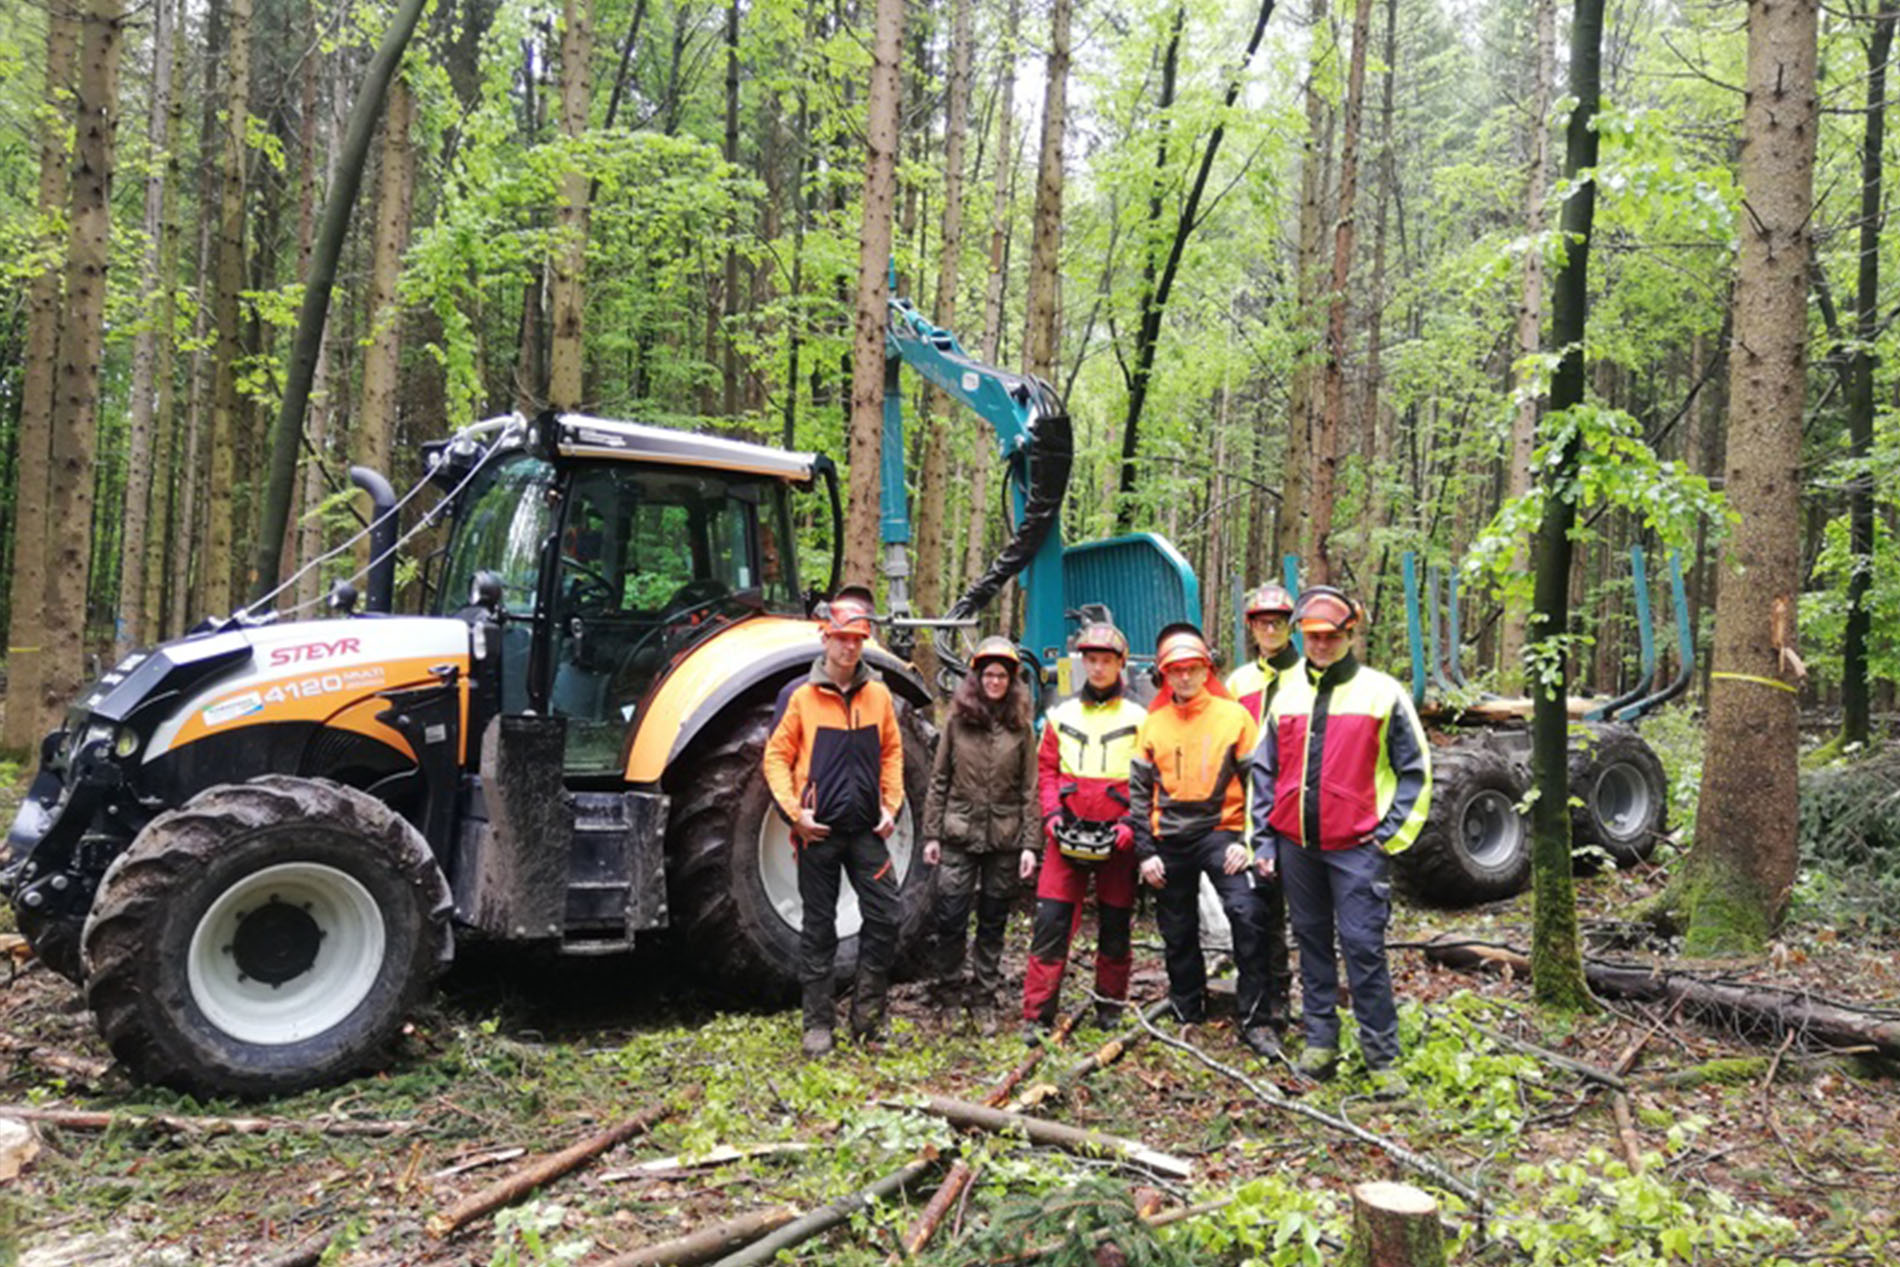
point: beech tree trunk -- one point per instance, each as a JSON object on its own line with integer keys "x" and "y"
{"x": 1742, "y": 866}
{"x": 570, "y": 251}
{"x": 26, "y": 614}
{"x": 76, "y": 393}
{"x": 874, "y": 256}
{"x": 1554, "y": 947}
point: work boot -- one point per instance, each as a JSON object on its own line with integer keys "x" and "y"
{"x": 1319, "y": 1063}
{"x": 1262, "y": 1041}
{"x": 867, "y": 1007}
{"x": 1108, "y": 1015}
{"x": 816, "y": 1043}
{"x": 1389, "y": 1084}
{"x": 983, "y": 1017}
{"x": 1033, "y": 1032}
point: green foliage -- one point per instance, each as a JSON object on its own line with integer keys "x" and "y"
{"x": 1071, "y": 1222}
{"x": 1823, "y": 608}
{"x": 1270, "y": 1220}
{"x": 1850, "y": 845}
{"x": 524, "y": 1237}
{"x": 1592, "y": 1209}
{"x": 1675, "y": 734}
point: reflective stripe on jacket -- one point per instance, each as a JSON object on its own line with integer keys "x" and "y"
{"x": 1084, "y": 758}
{"x": 1190, "y": 770}
{"x": 1342, "y": 761}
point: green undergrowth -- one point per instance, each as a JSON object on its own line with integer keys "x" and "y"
{"x": 1850, "y": 844}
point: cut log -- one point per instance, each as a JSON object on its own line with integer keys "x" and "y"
{"x": 708, "y": 1243}
{"x": 543, "y": 1170}
{"x": 1000, "y": 1094}
{"x": 940, "y": 1202}
{"x": 823, "y": 1219}
{"x": 1626, "y": 1131}
{"x": 18, "y": 1147}
{"x": 1072, "y": 1139}
{"x": 1394, "y": 1225}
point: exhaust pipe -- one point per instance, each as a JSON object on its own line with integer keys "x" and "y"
{"x": 381, "y": 582}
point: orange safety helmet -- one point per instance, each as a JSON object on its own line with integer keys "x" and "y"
{"x": 1323, "y": 609}
{"x": 1269, "y": 598}
{"x": 1102, "y": 636}
{"x": 995, "y": 647}
{"x": 1181, "y": 644}
{"x": 850, "y": 612}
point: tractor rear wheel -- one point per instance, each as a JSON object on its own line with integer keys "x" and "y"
{"x": 732, "y": 876}
{"x": 1475, "y": 845}
{"x": 267, "y": 937}
{"x": 1619, "y": 794}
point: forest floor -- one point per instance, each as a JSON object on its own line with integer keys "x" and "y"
{"x": 1750, "y": 1150}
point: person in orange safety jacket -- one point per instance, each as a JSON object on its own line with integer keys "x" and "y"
{"x": 1087, "y": 743}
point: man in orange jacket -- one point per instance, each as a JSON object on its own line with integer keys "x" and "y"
{"x": 835, "y": 764}
{"x": 1187, "y": 792}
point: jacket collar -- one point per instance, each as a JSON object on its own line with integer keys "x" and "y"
{"x": 1338, "y": 673}
{"x": 1282, "y": 660}
{"x": 822, "y": 680}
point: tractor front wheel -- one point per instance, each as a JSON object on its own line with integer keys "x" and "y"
{"x": 267, "y": 937}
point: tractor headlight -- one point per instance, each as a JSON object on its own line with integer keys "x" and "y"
{"x": 125, "y": 743}
{"x": 99, "y": 732}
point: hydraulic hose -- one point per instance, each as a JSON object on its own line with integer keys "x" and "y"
{"x": 1042, "y": 468}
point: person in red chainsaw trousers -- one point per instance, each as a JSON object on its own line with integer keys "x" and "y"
{"x": 1087, "y": 742}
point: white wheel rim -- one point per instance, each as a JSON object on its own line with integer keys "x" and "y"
{"x": 778, "y": 873}
{"x": 348, "y": 956}
{"x": 1492, "y": 829}
{"x": 1622, "y": 800}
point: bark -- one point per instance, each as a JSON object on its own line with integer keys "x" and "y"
{"x": 729, "y": 292}
{"x": 708, "y": 1243}
{"x": 975, "y": 548}
{"x": 1530, "y": 319}
{"x": 1040, "y": 336}
{"x": 1294, "y": 533}
{"x": 1075, "y": 1139}
{"x": 73, "y": 452}
{"x": 570, "y": 239}
{"x": 1394, "y": 1225}
{"x": 325, "y": 122}
{"x": 930, "y": 560}
{"x": 544, "y": 1170}
{"x": 1555, "y": 948}
{"x": 1860, "y": 396}
{"x": 1375, "y": 444}
{"x": 1742, "y": 865}
{"x": 933, "y": 1213}
{"x": 133, "y": 627}
{"x": 826, "y": 1217}
{"x": 874, "y": 255}
{"x": 26, "y": 613}
{"x": 1326, "y": 435}
{"x": 225, "y": 313}
{"x": 159, "y": 599}
{"x": 376, "y": 418}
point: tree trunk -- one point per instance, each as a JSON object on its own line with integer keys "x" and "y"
{"x": 1295, "y": 534}
{"x": 729, "y": 295}
{"x": 76, "y": 393}
{"x": 218, "y": 556}
{"x": 1326, "y": 437}
{"x": 26, "y": 613}
{"x": 570, "y": 250}
{"x": 1860, "y": 394}
{"x": 975, "y": 552}
{"x": 323, "y": 127}
{"x": 160, "y": 599}
{"x": 1376, "y": 441}
{"x": 376, "y": 419}
{"x": 133, "y": 626}
{"x": 1742, "y": 865}
{"x": 1394, "y": 1225}
{"x": 1554, "y": 948}
{"x": 1530, "y": 319}
{"x": 1040, "y": 336}
{"x": 874, "y": 255}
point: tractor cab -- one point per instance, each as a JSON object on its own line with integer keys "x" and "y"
{"x": 603, "y": 551}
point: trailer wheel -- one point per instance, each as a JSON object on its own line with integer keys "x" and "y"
{"x": 1475, "y": 845}
{"x": 267, "y": 937}
{"x": 732, "y": 876}
{"x": 1621, "y": 793}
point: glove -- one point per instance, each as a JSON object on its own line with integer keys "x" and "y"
{"x": 1124, "y": 838}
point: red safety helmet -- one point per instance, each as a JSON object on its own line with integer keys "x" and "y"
{"x": 1269, "y": 599}
{"x": 1101, "y": 636}
{"x": 997, "y": 648}
{"x": 1182, "y": 645}
{"x": 1323, "y": 609}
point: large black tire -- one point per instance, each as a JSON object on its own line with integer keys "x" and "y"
{"x": 1619, "y": 792}
{"x": 732, "y": 876}
{"x": 267, "y": 937}
{"x": 1475, "y": 845}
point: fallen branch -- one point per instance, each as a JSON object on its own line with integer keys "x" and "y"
{"x": 707, "y": 1243}
{"x": 64, "y": 1063}
{"x": 1272, "y": 1097}
{"x": 1626, "y": 1131}
{"x": 685, "y": 1164}
{"x": 823, "y": 1219}
{"x": 1101, "y": 1058}
{"x": 1011, "y": 1080}
{"x": 1053, "y": 1134}
{"x": 940, "y": 1202}
{"x": 543, "y": 1170}
{"x": 1582, "y": 1068}
{"x": 175, "y": 1124}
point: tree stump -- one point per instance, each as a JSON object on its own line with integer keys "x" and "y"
{"x": 1394, "y": 1225}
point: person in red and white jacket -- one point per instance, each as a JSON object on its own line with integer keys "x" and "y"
{"x": 1088, "y": 741}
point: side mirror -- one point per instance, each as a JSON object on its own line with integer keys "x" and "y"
{"x": 485, "y": 591}
{"x": 343, "y": 598}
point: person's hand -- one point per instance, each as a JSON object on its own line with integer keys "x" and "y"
{"x": 933, "y": 853}
{"x": 1049, "y": 829}
{"x": 1026, "y": 865}
{"x": 1154, "y": 872}
{"x": 1124, "y": 837}
{"x": 886, "y": 823}
{"x": 809, "y": 827}
{"x": 1264, "y": 864}
{"x": 1236, "y": 859}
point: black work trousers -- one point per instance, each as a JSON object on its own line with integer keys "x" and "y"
{"x": 1177, "y": 910}
{"x": 821, "y": 864}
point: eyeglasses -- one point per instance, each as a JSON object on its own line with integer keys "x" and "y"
{"x": 997, "y": 675}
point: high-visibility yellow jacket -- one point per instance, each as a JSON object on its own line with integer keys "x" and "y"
{"x": 1342, "y": 761}
{"x": 1254, "y": 684}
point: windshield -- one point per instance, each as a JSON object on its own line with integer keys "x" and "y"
{"x": 502, "y": 531}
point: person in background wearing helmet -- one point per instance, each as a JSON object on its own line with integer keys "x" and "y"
{"x": 1253, "y": 685}
{"x": 835, "y": 764}
{"x": 1087, "y": 744}
{"x": 1341, "y": 779}
{"x": 980, "y": 815}
{"x": 1187, "y": 790}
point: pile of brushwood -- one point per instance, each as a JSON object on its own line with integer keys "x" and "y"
{"x": 1707, "y": 1114}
